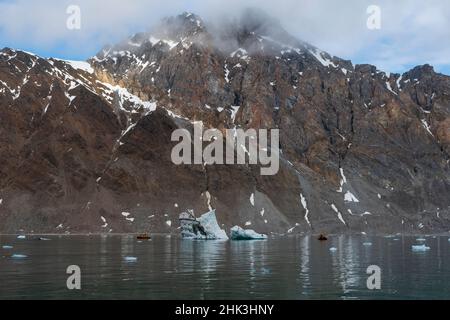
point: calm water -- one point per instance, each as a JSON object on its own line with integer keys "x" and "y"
{"x": 169, "y": 268}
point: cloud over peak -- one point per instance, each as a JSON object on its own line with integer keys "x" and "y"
{"x": 412, "y": 32}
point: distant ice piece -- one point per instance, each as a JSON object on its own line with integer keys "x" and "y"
{"x": 7, "y": 247}
{"x": 333, "y": 249}
{"x": 421, "y": 240}
{"x": 21, "y": 237}
{"x": 19, "y": 256}
{"x": 204, "y": 228}
{"x": 367, "y": 244}
{"x": 237, "y": 233}
{"x": 420, "y": 248}
{"x": 130, "y": 259}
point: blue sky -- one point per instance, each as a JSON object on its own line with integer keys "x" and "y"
{"x": 413, "y": 32}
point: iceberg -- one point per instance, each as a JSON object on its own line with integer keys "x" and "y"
{"x": 421, "y": 240}
{"x": 211, "y": 226}
{"x": 204, "y": 228}
{"x": 7, "y": 247}
{"x": 420, "y": 248}
{"x": 130, "y": 259}
{"x": 21, "y": 237}
{"x": 333, "y": 249}
{"x": 19, "y": 256}
{"x": 237, "y": 233}
{"x": 367, "y": 244}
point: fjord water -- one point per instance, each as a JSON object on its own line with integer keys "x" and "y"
{"x": 169, "y": 268}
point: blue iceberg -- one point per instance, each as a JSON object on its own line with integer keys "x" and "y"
{"x": 237, "y": 233}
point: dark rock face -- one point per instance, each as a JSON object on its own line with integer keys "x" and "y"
{"x": 89, "y": 150}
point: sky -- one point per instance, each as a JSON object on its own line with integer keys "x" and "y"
{"x": 412, "y": 32}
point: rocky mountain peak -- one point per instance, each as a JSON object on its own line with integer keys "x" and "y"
{"x": 87, "y": 146}
{"x": 180, "y": 27}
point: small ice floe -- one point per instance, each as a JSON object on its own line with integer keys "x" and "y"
{"x": 7, "y": 247}
{"x": 333, "y": 249}
{"x": 19, "y": 256}
{"x": 237, "y": 233}
{"x": 169, "y": 223}
{"x": 130, "y": 259}
{"x": 421, "y": 240}
{"x": 420, "y": 248}
{"x": 367, "y": 244}
{"x": 21, "y": 237}
{"x": 43, "y": 239}
{"x": 265, "y": 270}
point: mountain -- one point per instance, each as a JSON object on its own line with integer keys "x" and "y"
{"x": 86, "y": 146}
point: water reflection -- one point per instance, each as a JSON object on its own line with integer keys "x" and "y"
{"x": 281, "y": 268}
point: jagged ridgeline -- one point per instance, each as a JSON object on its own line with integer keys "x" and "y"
{"x": 86, "y": 147}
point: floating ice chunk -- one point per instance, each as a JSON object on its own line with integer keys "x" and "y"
{"x": 209, "y": 222}
{"x": 7, "y": 247}
{"x": 421, "y": 239}
{"x": 169, "y": 223}
{"x": 19, "y": 256}
{"x": 21, "y": 237}
{"x": 420, "y": 248}
{"x": 333, "y": 249}
{"x": 237, "y": 233}
{"x": 252, "y": 199}
{"x": 130, "y": 259}
{"x": 367, "y": 244}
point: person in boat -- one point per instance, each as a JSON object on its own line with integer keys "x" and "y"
{"x": 322, "y": 238}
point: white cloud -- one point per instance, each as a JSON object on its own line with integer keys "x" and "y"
{"x": 412, "y": 32}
